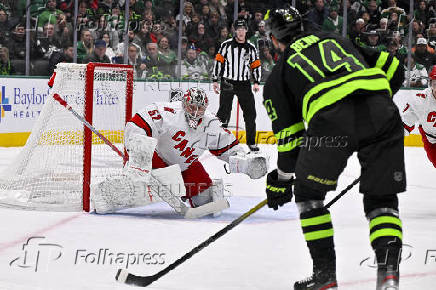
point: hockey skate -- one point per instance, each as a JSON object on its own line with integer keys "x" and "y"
{"x": 388, "y": 279}
{"x": 318, "y": 281}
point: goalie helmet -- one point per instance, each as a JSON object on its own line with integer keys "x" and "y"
{"x": 194, "y": 104}
{"x": 284, "y": 24}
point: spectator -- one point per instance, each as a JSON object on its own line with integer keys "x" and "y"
{"x": 85, "y": 45}
{"x": 144, "y": 36}
{"x": 374, "y": 12}
{"x": 213, "y": 25}
{"x": 422, "y": 55}
{"x": 373, "y": 39}
{"x": 192, "y": 68}
{"x": 417, "y": 76}
{"x": 50, "y": 14}
{"x": 428, "y": 47}
{"x": 65, "y": 55}
{"x": 6, "y": 67}
{"x": 431, "y": 34}
{"x": 17, "y": 44}
{"x": 200, "y": 38}
{"x": 216, "y": 6}
{"x": 253, "y": 25}
{"x": 417, "y": 28}
{"x": 192, "y": 26}
{"x": 223, "y": 36}
{"x": 115, "y": 19}
{"x": 423, "y": 14}
{"x": 99, "y": 53}
{"x": 135, "y": 60}
{"x": 131, "y": 37}
{"x": 157, "y": 31}
{"x": 5, "y": 27}
{"x": 46, "y": 43}
{"x": 260, "y": 39}
{"x": 267, "y": 62}
{"x": 167, "y": 55}
{"x": 105, "y": 7}
{"x": 188, "y": 11}
{"x": 205, "y": 13}
{"x": 383, "y": 25}
{"x": 356, "y": 32}
{"x": 84, "y": 16}
{"x": 402, "y": 50}
{"x": 156, "y": 67}
{"x": 333, "y": 22}
{"x": 392, "y": 8}
{"x": 318, "y": 13}
{"x": 109, "y": 51}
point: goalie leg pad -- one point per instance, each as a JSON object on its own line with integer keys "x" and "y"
{"x": 119, "y": 192}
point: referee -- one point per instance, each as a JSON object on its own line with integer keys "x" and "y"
{"x": 236, "y": 61}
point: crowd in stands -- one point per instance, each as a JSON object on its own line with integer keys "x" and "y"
{"x": 153, "y": 37}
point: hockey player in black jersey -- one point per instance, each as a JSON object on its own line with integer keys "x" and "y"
{"x": 326, "y": 99}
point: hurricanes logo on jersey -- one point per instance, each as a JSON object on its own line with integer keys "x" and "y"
{"x": 181, "y": 146}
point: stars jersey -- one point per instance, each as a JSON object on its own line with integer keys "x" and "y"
{"x": 177, "y": 142}
{"x": 421, "y": 110}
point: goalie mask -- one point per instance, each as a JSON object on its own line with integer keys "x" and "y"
{"x": 194, "y": 104}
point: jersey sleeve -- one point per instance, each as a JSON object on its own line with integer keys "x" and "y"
{"x": 146, "y": 122}
{"x": 287, "y": 122}
{"x": 409, "y": 116}
{"x": 388, "y": 63}
{"x": 218, "y": 63}
{"x": 220, "y": 141}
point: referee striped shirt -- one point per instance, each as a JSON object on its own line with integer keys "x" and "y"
{"x": 237, "y": 62}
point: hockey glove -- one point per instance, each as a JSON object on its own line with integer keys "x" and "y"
{"x": 278, "y": 192}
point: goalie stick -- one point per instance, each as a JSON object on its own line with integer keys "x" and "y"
{"x": 125, "y": 277}
{"x": 179, "y": 206}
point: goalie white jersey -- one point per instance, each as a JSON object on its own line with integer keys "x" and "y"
{"x": 421, "y": 110}
{"x": 177, "y": 142}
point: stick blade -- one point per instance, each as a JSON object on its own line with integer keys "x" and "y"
{"x": 123, "y": 276}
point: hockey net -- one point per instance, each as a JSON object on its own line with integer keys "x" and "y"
{"x": 62, "y": 158}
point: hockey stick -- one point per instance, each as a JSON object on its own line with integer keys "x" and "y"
{"x": 124, "y": 276}
{"x": 179, "y": 206}
{"x": 90, "y": 127}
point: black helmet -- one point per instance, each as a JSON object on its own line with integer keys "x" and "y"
{"x": 284, "y": 23}
{"x": 240, "y": 23}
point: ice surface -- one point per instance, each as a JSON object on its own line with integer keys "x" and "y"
{"x": 267, "y": 251}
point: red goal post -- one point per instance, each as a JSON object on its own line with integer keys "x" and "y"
{"x": 62, "y": 158}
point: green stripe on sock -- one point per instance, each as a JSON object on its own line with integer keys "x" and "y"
{"x": 386, "y": 233}
{"x": 323, "y": 219}
{"x": 318, "y": 235}
{"x": 385, "y": 220}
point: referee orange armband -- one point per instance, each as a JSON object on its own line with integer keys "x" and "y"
{"x": 255, "y": 64}
{"x": 219, "y": 58}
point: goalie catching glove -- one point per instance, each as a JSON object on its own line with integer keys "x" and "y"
{"x": 278, "y": 192}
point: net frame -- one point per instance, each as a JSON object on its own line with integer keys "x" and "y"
{"x": 38, "y": 185}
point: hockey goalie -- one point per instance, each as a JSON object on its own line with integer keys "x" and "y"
{"x": 421, "y": 110}
{"x": 164, "y": 142}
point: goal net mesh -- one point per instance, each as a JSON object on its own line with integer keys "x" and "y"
{"x": 48, "y": 174}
